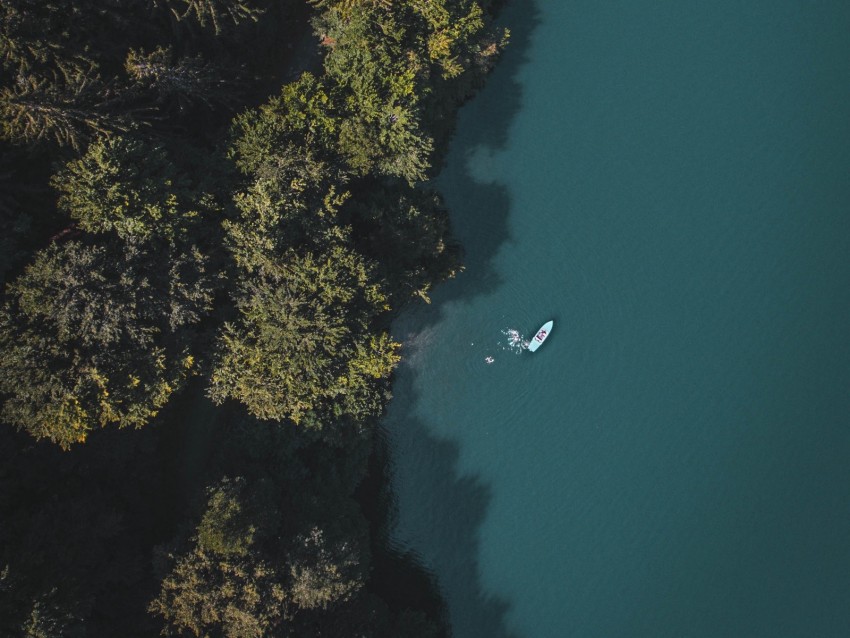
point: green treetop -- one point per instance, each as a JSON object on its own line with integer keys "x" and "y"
{"x": 302, "y": 342}
{"x": 94, "y": 335}
{"x": 127, "y": 186}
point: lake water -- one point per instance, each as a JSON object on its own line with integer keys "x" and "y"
{"x": 670, "y": 182}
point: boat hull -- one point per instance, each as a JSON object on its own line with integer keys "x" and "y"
{"x": 540, "y": 336}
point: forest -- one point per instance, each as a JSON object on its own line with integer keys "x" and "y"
{"x": 210, "y": 211}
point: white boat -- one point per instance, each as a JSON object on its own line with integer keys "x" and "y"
{"x": 538, "y": 339}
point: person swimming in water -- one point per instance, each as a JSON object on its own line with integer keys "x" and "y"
{"x": 489, "y": 359}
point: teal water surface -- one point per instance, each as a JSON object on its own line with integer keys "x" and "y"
{"x": 670, "y": 182}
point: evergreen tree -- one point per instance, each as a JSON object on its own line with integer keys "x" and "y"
{"x": 223, "y": 585}
{"x": 374, "y": 83}
{"x": 128, "y": 187}
{"x": 302, "y": 341}
{"x": 273, "y": 221}
{"x": 37, "y": 616}
{"x": 36, "y": 109}
{"x": 179, "y": 83}
{"x": 245, "y": 576}
{"x": 209, "y": 595}
{"x": 324, "y": 572}
{"x": 226, "y": 528}
{"x": 92, "y": 336}
{"x": 217, "y": 15}
{"x": 36, "y": 38}
{"x": 291, "y": 138}
{"x": 407, "y": 231}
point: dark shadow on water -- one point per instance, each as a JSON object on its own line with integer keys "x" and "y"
{"x": 457, "y": 505}
{"x": 397, "y": 576}
{"x": 479, "y": 211}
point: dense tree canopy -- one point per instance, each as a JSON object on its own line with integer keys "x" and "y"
{"x": 91, "y": 336}
{"x": 127, "y": 186}
{"x": 170, "y": 208}
{"x": 221, "y": 585}
{"x": 301, "y": 343}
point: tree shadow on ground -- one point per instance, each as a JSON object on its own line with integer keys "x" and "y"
{"x": 452, "y": 507}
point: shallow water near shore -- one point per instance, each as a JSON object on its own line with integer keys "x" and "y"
{"x": 669, "y": 182}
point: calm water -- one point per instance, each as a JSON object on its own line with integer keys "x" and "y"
{"x": 670, "y": 182}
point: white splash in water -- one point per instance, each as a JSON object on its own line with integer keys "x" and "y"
{"x": 516, "y": 342}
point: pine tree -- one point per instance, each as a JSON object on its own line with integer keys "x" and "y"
{"x": 301, "y": 343}
{"x": 179, "y": 83}
{"x": 67, "y": 112}
{"x": 127, "y": 186}
{"x": 215, "y": 14}
{"x": 95, "y": 335}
